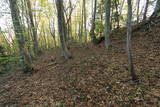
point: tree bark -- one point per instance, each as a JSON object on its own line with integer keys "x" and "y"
{"x": 138, "y": 1}
{"x": 68, "y": 14}
{"x": 62, "y": 29}
{"x": 15, "y": 14}
{"x": 33, "y": 27}
{"x": 129, "y": 47}
{"x": 117, "y": 13}
{"x": 85, "y": 21}
{"x": 146, "y": 10}
{"x": 155, "y": 17}
{"x": 107, "y": 23}
{"x": 157, "y": 8}
{"x": 93, "y": 26}
{"x": 82, "y": 22}
{"x": 156, "y": 13}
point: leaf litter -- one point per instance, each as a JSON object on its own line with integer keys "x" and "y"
{"x": 94, "y": 77}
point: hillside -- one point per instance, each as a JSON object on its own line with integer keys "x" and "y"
{"x": 94, "y": 77}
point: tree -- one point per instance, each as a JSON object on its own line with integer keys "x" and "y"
{"x": 145, "y": 11}
{"x": 107, "y": 22}
{"x": 154, "y": 18}
{"x": 156, "y": 13}
{"x": 116, "y": 2}
{"x": 33, "y": 27}
{"x": 129, "y": 48}
{"x": 138, "y": 2}
{"x": 62, "y": 29}
{"x": 68, "y": 13}
{"x": 85, "y": 20}
{"x": 93, "y": 26}
{"x": 26, "y": 62}
{"x": 82, "y": 22}
{"x": 157, "y": 8}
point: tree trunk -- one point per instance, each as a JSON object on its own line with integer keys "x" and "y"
{"x": 33, "y": 27}
{"x": 138, "y": 10}
{"x": 156, "y": 13}
{"x": 129, "y": 48}
{"x": 107, "y": 23}
{"x": 157, "y": 8}
{"x": 82, "y": 13}
{"x": 93, "y": 26}
{"x": 62, "y": 29}
{"x": 145, "y": 11}
{"x": 155, "y": 17}
{"x": 121, "y": 7}
{"x": 85, "y": 21}
{"x": 117, "y": 13}
{"x": 69, "y": 20}
{"x": 15, "y": 14}
{"x": 52, "y": 31}
{"x": 101, "y": 17}
{"x": 79, "y": 31}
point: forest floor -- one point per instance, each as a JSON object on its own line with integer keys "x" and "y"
{"x": 93, "y": 78}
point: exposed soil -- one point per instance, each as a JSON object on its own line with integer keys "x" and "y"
{"x": 94, "y": 77}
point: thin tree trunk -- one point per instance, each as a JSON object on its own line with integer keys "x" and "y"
{"x": 70, "y": 21}
{"x": 146, "y": 10}
{"x": 53, "y": 36}
{"x": 107, "y": 23}
{"x": 45, "y": 39}
{"x": 33, "y": 27}
{"x": 101, "y": 17}
{"x": 82, "y": 13}
{"x": 129, "y": 48}
{"x": 52, "y": 31}
{"x": 117, "y": 13}
{"x": 79, "y": 32}
{"x": 76, "y": 25}
{"x": 138, "y": 4}
{"x": 121, "y": 8}
{"x": 112, "y": 24}
{"x": 85, "y": 21}
{"x": 93, "y": 26}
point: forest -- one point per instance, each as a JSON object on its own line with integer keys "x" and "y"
{"x": 79, "y": 53}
